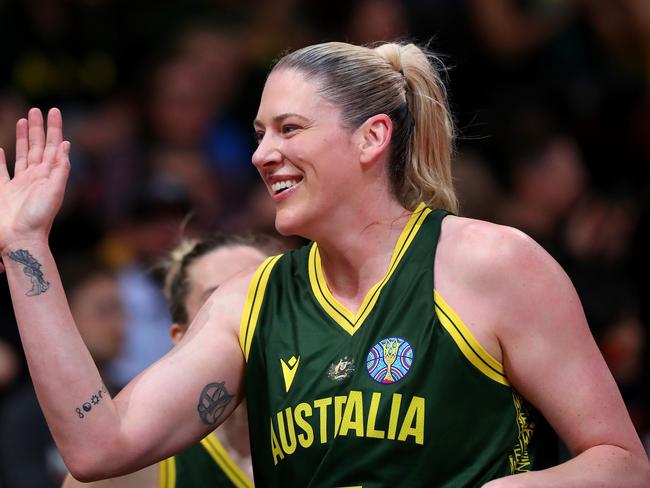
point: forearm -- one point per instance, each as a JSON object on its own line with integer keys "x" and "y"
{"x": 601, "y": 466}
{"x": 78, "y": 409}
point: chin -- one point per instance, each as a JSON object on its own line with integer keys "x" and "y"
{"x": 284, "y": 228}
{"x": 289, "y": 223}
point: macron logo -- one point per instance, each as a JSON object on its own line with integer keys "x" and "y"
{"x": 289, "y": 371}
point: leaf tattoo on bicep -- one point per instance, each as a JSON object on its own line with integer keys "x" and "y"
{"x": 32, "y": 268}
{"x": 212, "y": 402}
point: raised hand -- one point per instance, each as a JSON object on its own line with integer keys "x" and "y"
{"x": 30, "y": 200}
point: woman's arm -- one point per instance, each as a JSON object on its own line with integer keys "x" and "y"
{"x": 176, "y": 401}
{"x": 173, "y": 403}
{"x": 148, "y": 477}
{"x": 526, "y": 311}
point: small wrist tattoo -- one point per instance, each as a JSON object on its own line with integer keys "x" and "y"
{"x": 32, "y": 268}
{"x": 94, "y": 400}
{"x": 212, "y": 402}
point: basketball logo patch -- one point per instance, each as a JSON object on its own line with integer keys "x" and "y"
{"x": 389, "y": 360}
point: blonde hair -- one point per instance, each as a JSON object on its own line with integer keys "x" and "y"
{"x": 177, "y": 262}
{"x": 402, "y": 81}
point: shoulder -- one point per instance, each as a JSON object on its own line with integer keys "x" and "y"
{"x": 500, "y": 274}
{"x": 487, "y": 251}
{"x": 223, "y": 310}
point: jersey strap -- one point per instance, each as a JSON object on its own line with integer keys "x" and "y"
{"x": 225, "y": 462}
{"x": 253, "y": 304}
{"x": 467, "y": 343}
{"x": 168, "y": 473}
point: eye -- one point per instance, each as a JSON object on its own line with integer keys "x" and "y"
{"x": 288, "y": 129}
{"x": 258, "y": 136}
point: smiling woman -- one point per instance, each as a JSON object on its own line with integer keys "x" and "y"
{"x": 405, "y": 346}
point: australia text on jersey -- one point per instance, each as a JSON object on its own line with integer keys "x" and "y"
{"x": 345, "y": 415}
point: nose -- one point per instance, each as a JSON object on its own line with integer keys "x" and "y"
{"x": 267, "y": 153}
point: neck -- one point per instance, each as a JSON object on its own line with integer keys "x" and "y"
{"x": 355, "y": 260}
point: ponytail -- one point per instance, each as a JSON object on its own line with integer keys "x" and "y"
{"x": 403, "y": 82}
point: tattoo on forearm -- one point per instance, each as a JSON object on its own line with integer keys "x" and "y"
{"x": 33, "y": 270}
{"x": 212, "y": 402}
{"x": 95, "y": 398}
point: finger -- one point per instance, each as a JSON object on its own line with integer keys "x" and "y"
{"x": 62, "y": 158}
{"x": 61, "y": 167}
{"x": 54, "y": 135}
{"x": 4, "y": 172}
{"x": 63, "y": 153}
{"x": 36, "y": 135}
{"x": 21, "y": 146}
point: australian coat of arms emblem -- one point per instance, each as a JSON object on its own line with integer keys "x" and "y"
{"x": 341, "y": 369}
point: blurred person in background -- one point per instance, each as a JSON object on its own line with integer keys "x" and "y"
{"x": 194, "y": 269}
{"x": 9, "y": 365}
{"x": 377, "y": 20}
{"x": 190, "y": 95}
{"x": 28, "y": 455}
{"x": 133, "y": 248}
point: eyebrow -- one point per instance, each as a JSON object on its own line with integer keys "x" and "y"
{"x": 279, "y": 118}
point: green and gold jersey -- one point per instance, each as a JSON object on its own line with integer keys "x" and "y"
{"x": 397, "y": 394}
{"x": 206, "y": 464}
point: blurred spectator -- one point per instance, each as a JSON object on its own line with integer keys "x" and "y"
{"x": 106, "y": 160}
{"x": 478, "y": 191}
{"x": 186, "y": 172}
{"x": 133, "y": 249}
{"x": 548, "y": 177}
{"x": 511, "y": 30}
{"x": 12, "y": 107}
{"x": 54, "y": 50}
{"x": 9, "y": 365}
{"x": 186, "y": 115}
{"x": 377, "y": 20}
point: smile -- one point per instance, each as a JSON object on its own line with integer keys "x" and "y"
{"x": 280, "y": 186}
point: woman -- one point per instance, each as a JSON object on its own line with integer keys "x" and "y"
{"x": 406, "y": 347}
{"x": 193, "y": 271}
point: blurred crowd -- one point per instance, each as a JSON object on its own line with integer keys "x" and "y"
{"x": 551, "y": 99}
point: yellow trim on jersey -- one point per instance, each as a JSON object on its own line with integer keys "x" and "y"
{"x": 467, "y": 343}
{"x": 168, "y": 473}
{"x": 253, "y": 304}
{"x": 350, "y": 322}
{"x": 225, "y": 462}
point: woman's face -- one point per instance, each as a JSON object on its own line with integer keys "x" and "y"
{"x": 305, "y": 155}
{"x": 211, "y": 270}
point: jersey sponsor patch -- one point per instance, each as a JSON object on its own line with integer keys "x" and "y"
{"x": 389, "y": 360}
{"x": 289, "y": 371}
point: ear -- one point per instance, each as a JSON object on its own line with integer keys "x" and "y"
{"x": 374, "y": 137}
{"x": 176, "y": 331}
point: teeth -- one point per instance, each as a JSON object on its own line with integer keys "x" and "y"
{"x": 282, "y": 185}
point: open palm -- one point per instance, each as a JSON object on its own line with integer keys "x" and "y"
{"x": 30, "y": 200}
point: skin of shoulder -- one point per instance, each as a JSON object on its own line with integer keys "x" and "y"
{"x": 522, "y": 307}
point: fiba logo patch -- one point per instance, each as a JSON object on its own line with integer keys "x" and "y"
{"x": 389, "y": 360}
